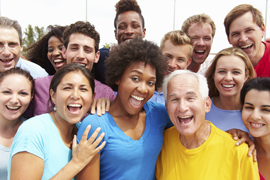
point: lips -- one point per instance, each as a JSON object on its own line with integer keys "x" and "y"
{"x": 246, "y": 46}
{"x": 185, "y": 119}
{"x": 6, "y": 60}
{"x": 136, "y": 101}
{"x": 228, "y": 85}
{"x": 74, "y": 108}
{"x": 256, "y": 125}
{"x": 13, "y": 107}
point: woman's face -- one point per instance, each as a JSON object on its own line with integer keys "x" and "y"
{"x": 72, "y": 98}
{"x": 55, "y": 53}
{"x": 15, "y": 96}
{"x": 256, "y": 113}
{"x": 136, "y": 87}
{"x": 230, "y": 75}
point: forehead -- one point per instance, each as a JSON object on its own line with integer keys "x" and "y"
{"x": 18, "y": 78}
{"x": 81, "y": 40}
{"x": 74, "y": 77}
{"x": 54, "y": 39}
{"x": 200, "y": 29}
{"x": 9, "y": 34}
{"x": 231, "y": 61}
{"x": 182, "y": 84}
{"x": 262, "y": 97}
{"x": 129, "y": 17}
{"x": 176, "y": 50}
{"x": 242, "y": 22}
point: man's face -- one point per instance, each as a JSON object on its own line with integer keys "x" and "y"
{"x": 185, "y": 105}
{"x": 10, "y": 48}
{"x": 247, "y": 35}
{"x": 177, "y": 56}
{"x": 128, "y": 26}
{"x": 201, "y": 39}
{"x": 81, "y": 50}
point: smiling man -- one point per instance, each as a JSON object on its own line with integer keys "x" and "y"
{"x": 194, "y": 148}
{"x": 128, "y": 24}
{"x": 201, "y": 30}
{"x": 245, "y": 29}
{"x": 11, "y": 48}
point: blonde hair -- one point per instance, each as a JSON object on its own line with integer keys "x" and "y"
{"x": 199, "y": 18}
{"x": 239, "y": 11}
{"x": 177, "y": 37}
{"x": 232, "y": 51}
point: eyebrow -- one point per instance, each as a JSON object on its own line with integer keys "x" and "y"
{"x": 139, "y": 72}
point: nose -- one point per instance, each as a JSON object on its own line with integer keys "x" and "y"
{"x": 243, "y": 37}
{"x": 129, "y": 30}
{"x": 172, "y": 63}
{"x": 228, "y": 76}
{"x": 14, "y": 99}
{"x": 56, "y": 52}
{"x": 142, "y": 87}
{"x": 256, "y": 115}
{"x": 75, "y": 94}
{"x": 5, "y": 50}
{"x": 182, "y": 107}
{"x": 200, "y": 42}
{"x": 80, "y": 54}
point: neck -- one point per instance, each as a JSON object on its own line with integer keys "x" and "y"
{"x": 262, "y": 145}
{"x": 227, "y": 103}
{"x": 256, "y": 59}
{"x": 194, "y": 67}
{"x": 198, "y": 138}
{"x": 9, "y": 124}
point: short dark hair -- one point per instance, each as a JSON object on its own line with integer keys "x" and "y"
{"x": 5, "y": 22}
{"x": 21, "y": 72}
{"x": 127, "y": 5}
{"x": 133, "y": 51}
{"x": 38, "y": 51}
{"x": 259, "y": 84}
{"x": 57, "y": 78}
{"x": 84, "y": 28}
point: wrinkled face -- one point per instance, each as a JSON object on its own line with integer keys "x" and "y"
{"x": 247, "y": 35}
{"x": 176, "y": 55}
{"x": 10, "y": 48}
{"x": 72, "y": 98}
{"x": 230, "y": 75}
{"x": 136, "y": 87}
{"x": 55, "y": 53}
{"x": 15, "y": 96}
{"x": 81, "y": 50}
{"x": 185, "y": 105}
{"x": 256, "y": 113}
{"x": 128, "y": 26}
{"x": 201, "y": 38}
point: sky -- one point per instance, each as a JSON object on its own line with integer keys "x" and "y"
{"x": 158, "y": 15}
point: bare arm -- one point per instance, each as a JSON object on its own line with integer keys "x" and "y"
{"x": 91, "y": 171}
{"x": 241, "y": 137}
{"x": 25, "y": 165}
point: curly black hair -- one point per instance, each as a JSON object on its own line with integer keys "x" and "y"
{"x": 84, "y": 28}
{"x": 133, "y": 51}
{"x": 38, "y": 51}
{"x": 127, "y": 5}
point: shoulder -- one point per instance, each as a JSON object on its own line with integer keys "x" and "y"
{"x": 34, "y": 69}
{"x": 36, "y": 124}
{"x": 42, "y": 80}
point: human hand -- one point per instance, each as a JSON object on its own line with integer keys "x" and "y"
{"x": 241, "y": 137}
{"x": 101, "y": 105}
{"x": 83, "y": 152}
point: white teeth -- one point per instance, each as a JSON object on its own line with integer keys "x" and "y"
{"x": 227, "y": 86}
{"x": 137, "y": 98}
{"x": 82, "y": 64}
{"x": 58, "y": 60}
{"x": 74, "y": 105}
{"x": 200, "y": 51}
{"x": 256, "y": 125}
{"x": 243, "y": 47}
{"x": 185, "y": 117}
{"x": 14, "y": 108}
{"x": 6, "y": 60}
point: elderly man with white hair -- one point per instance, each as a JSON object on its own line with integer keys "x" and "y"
{"x": 194, "y": 148}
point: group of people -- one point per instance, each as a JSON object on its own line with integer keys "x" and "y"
{"x": 168, "y": 109}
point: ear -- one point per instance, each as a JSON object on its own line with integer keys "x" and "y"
{"x": 208, "y": 104}
{"x": 144, "y": 32}
{"x": 64, "y": 52}
{"x": 247, "y": 75}
{"x": 115, "y": 34}
{"x": 117, "y": 82}
{"x": 263, "y": 30}
{"x": 97, "y": 57}
{"x": 188, "y": 62}
{"x": 229, "y": 39}
{"x": 52, "y": 94}
{"x": 21, "y": 49}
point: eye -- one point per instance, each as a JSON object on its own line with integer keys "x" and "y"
{"x": 135, "y": 26}
{"x": 266, "y": 109}
{"x": 88, "y": 50}
{"x": 151, "y": 83}
{"x": 23, "y": 93}
{"x": 6, "y": 92}
{"x": 168, "y": 57}
{"x": 221, "y": 71}
{"x": 122, "y": 26}
{"x": 135, "y": 78}
{"x": 83, "y": 89}
{"x": 236, "y": 72}
{"x": 181, "y": 60}
{"x": 67, "y": 88}
{"x": 13, "y": 45}
{"x": 60, "y": 47}
{"x": 50, "y": 49}
{"x": 234, "y": 34}
{"x": 248, "y": 108}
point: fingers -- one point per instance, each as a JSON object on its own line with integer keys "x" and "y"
{"x": 103, "y": 105}
{"x": 74, "y": 142}
{"x": 85, "y": 133}
{"x": 94, "y": 135}
{"x": 241, "y": 141}
{"x": 108, "y": 103}
{"x": 93, "y": 106}
{"x": 234, "y": 133}
{"x": 254, "y": 154}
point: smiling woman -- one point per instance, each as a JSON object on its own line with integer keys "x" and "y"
{"x": 230, "y": 69}
{"x": 45, "y": 146}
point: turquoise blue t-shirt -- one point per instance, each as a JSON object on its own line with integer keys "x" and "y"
{"x": 39, "y": 136}
{"x": 123, "y": 158}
